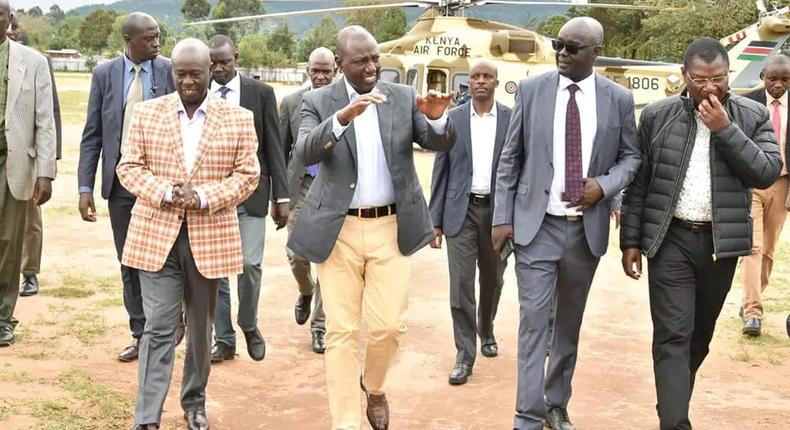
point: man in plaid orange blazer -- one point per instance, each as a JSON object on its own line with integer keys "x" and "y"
{"x": 190, "y": 159}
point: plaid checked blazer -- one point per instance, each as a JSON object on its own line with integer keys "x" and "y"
{"x": 226, "y": 169}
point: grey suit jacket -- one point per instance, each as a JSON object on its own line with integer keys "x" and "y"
{"x": 525, "y": 169}
{"x": 104, "y": 123}
{"x": 329, "y": 198}
{"x": 290, "y": 117}
{"x": 452, "y": 171}
{"x": 29, "y": 121}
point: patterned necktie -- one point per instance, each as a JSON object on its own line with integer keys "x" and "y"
{"x": 223, "y": 92}
{"x": 134, "y": 96}
{"x": 573, "y": 150}
{"x": 776, "y": 117}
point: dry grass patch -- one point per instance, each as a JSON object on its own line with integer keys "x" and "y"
{"x": 86, "y": 327}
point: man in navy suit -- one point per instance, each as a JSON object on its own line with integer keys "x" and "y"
{"x": 137, "y": 75}
{"x": 462, "y": 190}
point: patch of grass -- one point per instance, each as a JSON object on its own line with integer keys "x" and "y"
{"x": 67, "y": 293}
{"x": 774, "y": 359}
{"x": 91, "y": 281}
{"x": 15, "y": 376}
{"x": 86, "y": 327}
{"x": 111, "y": 302}
{"x": 55, "y": 415}
{"x": 107, "y": 409}
{"x": 73, "y": 106}
{"x": 36, "y": 354}
{"x": 8, "y": 408}
{"x": 741, "y": 355}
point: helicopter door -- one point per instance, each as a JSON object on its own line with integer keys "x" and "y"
{"x": 413, "y": 76}
{"x": 437, "y": 79}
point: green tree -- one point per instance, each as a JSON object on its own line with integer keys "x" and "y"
{"x": 282, "y": 39}
{"x": 236, "y": 8}
{"x": 35, "y": 12}
{"x": 35, "y": 31}
{"x": 95, "y": 29}
{"x": 56, "y": 14}
{"x": 324, "y": 35}
{"x": 195, "y": 10}
{"x": 252, "y": 49}
{"x": 552, "y": 26}
{"x": 383, "y": 24}
{"x": 115, "y": 42}
{"x": 66, "y": 34}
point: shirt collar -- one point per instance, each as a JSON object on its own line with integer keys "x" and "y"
{"x": 352, "y": 93}
{"x": 234, "y": 84}
{"x": 203, "y": 108}
{"x": 770, "y": 99}
{"x": 129, "y": 64}
{"x": 472, "y": 111}
{"x": 586, "y": 85}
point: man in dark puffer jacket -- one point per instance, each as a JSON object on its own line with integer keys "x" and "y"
{"x": 688, "y": 211}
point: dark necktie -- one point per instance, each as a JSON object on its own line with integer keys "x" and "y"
{"x": 573, "y": 150}
{"x": 223, "y": 92}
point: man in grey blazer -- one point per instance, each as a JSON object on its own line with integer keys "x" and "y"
{"x": 571, "y": 148}
{"x": 27, "y": 157}
{"x": 364, "y": 215}
{"x": 139, "y": 74}
{"x": 321, "y": 70}
{"x": 462, "y": 195}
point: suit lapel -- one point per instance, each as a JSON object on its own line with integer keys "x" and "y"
{"x": 246, "y": 98}
{"x": 465, "y": 128}
{"x": 176, "y": 143}
{"x": 339, "y": 101}
{"x": 501, "y": 131}
{"x": 548, "y": 92}
{"x": 116, "y": 89}
{"x": 385, "y": 113}
{"x": 210, "y": 126}
{"x": 160, "y": 78}
{"x": 16, "y": 75}
{"x": 603, "y": 106}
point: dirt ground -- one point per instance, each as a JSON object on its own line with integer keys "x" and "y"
{"x": 63, "y": 374}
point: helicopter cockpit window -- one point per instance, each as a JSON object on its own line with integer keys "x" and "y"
{"x": 411, "y": 78}
{"x": 390, "y": 75}
{"x": 522, "y": 46}
{"x": 458, "y": 79}
{"x": 437, "y": 80}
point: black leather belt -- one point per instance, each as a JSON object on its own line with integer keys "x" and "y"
{"x": 373, "y": 212}
{"x": 694, "y": 226}
{"x": 569, "y": 218}
{"x": 480, "y": 199}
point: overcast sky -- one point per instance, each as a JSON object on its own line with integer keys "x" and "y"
{"x": 45, "y": 4}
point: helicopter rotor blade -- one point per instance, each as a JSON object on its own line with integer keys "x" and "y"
{"x": 574, "y": 4}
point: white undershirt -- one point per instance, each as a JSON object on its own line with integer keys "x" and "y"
{"x": 483, "y": 134}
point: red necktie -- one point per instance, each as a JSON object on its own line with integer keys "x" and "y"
{"x": 776, "y": 118}
{"x": 574, "y": 186}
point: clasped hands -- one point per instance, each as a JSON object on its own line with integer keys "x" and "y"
{"x": 184, "y": 198}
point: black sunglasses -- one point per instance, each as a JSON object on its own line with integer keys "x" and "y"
{"x": 569, "y": 47}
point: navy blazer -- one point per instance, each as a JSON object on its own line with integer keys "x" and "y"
{"x": 452, "y": 171}
{"x": 104, "y": 124}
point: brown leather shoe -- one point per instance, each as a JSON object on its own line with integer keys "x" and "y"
{"x": 378, "y": 411}
{"x": 131, "y": 352}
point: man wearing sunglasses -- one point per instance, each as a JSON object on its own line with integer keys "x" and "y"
{"x": 571, "y": 148}
{"x": 688, "y": 212}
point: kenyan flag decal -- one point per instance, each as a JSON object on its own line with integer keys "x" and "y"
{"x": 757, "y": 50}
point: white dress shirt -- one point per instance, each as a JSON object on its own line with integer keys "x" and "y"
{"x": 191, "y": 131}
{"x": 694, "y": 203}
{"x": 234, "y": 86}
{"x": 374, "y": 181}
{"x": 588, "y": 120}
{"x": 483, "y": 134}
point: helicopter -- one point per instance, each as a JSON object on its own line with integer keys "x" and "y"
{"x": 442, "y": 44}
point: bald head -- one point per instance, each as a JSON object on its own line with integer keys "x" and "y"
{"x": 484, "y": 65}
{"x": 141, "y": 34}
{"x": 321, "y": 68}
{"x": 482, "y": 85}
{"x": 191, "y": 71}
{"x": 776, "y": 75}
{"x": 577, "y": 46}
{"x": 358, "y": 58}
{"x": 353, "y": 34}
{"x": 321, "y": 54}
{"x": 589, "y": 29}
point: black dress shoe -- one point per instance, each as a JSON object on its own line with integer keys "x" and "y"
{"x": 489, "y": 350}
{"x": 319, "y": 346}
{"x": 558, "y": 419}
{"x": 6, "y": 336}
{"x": 29, "y": 285}
{"x": 460, "y": 374}
{"x": 131, "y": 352}
{"x": 196, "y": 420}
{"x": 256, "y": 347}
{"x": 302, "y": 308}
{"x": 145, "y": 427}
{"x": 752, "y": 327}
{"x": 221, "y": 352}
{"x": 788, "y": 325}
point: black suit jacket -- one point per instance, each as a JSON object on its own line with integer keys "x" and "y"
{"x": 452, "y": 171}
{"x": 759, "y": 96}
{"x": 259, "y": 98}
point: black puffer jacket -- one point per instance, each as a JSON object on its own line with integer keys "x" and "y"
{"x": 744, "y": 155}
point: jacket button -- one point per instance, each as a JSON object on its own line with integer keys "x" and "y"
{"x": 546, "y": 191}
{"x": 181, "y": 217}
{"x": 352, "y": 185}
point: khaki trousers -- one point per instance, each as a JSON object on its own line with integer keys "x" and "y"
{"x": 33, "y": 238}
{"x": 769, "y": 214}
{"x": 365, "y": 272}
